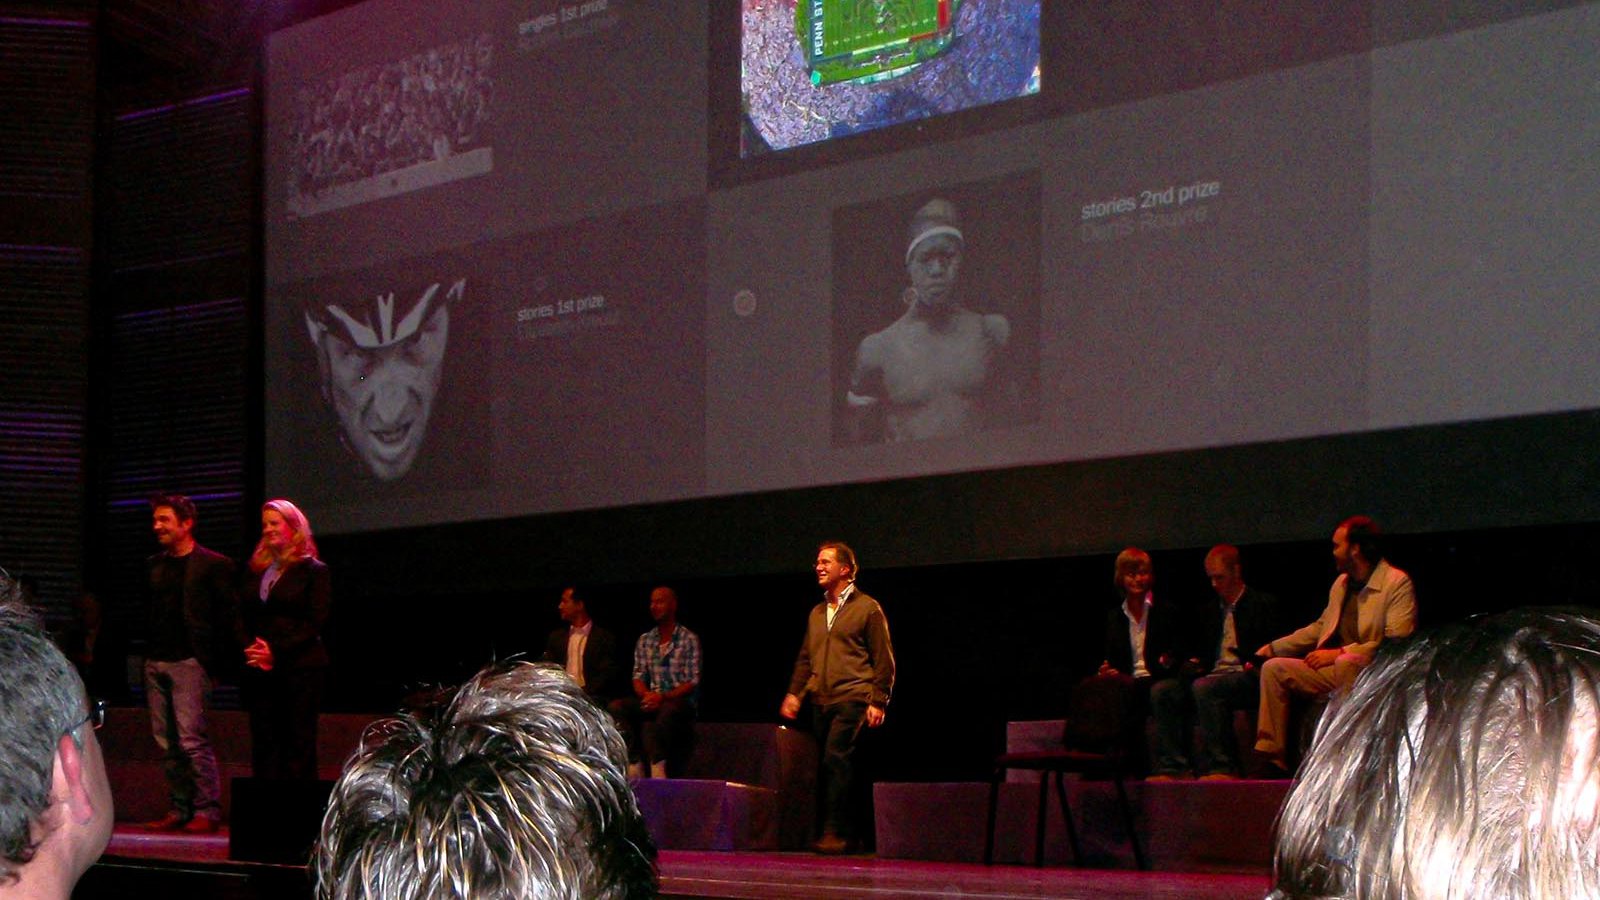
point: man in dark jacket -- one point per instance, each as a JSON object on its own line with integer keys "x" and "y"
{"x": 193, "y": 608}
{"x": 587, "y": 651}
{"x": 846, "y": 667}
{"x": 1219, "y": 677}
{"x": 1141, "y": 644}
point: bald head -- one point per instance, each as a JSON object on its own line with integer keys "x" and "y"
{"x": 664, "y": 605}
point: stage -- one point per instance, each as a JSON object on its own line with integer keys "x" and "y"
{"x": 141, "y": 863}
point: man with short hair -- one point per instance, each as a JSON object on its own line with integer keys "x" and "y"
{"x": 846, "y": 668}
{"x": 55, "y": 799}
{"x": 666, "y": 684}
{"x": 1370, "y": 602}
{"x": 587, "y": 651}
{"x": 515, "y": 788}
{"x": 1219, "y": 677}
{"x": 193, "y": 628}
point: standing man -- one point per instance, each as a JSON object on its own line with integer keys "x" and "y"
{"x": 587, "y": 651}
{"x": 846, "y": 667}
{"x": 193, "y": 619}
{"x": 666, "y": 686}
{"x": 1369, "y": 602}
{"x": 1220, "y": 678}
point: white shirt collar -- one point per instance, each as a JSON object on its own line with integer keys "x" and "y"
{"x": 1142, "y": 619}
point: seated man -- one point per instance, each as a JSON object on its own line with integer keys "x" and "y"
{"x": 587, "y": 651}
{"x": 1140, "y": 637}
{"x": 514, "y": 788}
{"x": 55, "y": 799}
{"x": 1370, "y": 601}
{"x": 1463, "y": 764}
{"x": 1219, "y": 677}
{"x": 666, "y": 683}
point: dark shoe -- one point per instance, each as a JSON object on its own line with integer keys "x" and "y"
{"x": 170, "y": 822}
{"x": 201, "y": 825}
{"x": 1269, "y": 769}
{"x": 831, "y": 845}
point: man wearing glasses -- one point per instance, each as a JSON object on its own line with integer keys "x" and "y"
{"x": 55, "y": 799}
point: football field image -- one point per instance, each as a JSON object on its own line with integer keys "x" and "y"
{"x": 871, "y": 40}
{"x": 813, "y": 70}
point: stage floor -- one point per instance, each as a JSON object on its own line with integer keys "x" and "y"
{"x": 144, "y": 864}
{"x": 780, "y": 876}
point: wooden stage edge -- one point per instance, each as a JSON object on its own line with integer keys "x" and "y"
{"x": 184, "y": 865}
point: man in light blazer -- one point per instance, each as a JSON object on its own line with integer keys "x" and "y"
{"x": 1370, "y": 602}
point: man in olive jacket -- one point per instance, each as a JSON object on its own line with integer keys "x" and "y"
{"x": 846, "y": 667}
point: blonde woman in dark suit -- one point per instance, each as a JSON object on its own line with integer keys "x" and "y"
{"x": 283, "y": 612}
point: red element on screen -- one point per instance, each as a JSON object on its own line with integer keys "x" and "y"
{"x": 944, "y": 14}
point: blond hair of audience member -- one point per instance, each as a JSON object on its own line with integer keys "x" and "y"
{"x": 1462, "y": 763}
{"x": 514, "y": 789}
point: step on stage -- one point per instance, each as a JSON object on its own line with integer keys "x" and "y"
{"x": 142, "y": 864}
{"x": 733, "y": 829}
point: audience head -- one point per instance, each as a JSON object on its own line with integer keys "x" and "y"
{"x": 1463, "y": 763}
{"x": 1133, "y": 572}
{"x": 55, "y": 799}
{"x": 514, "y": 789}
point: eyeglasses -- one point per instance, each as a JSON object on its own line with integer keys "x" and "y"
{"x": 95, "y": 718}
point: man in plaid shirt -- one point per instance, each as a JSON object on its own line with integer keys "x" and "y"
{"x": 659, "y": 718}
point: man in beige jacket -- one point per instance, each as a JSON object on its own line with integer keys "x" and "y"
{"x": 1370, "y": 602}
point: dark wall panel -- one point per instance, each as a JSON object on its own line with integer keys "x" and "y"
{"x": 46, "y": 145}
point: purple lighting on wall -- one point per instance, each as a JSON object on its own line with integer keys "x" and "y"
{"x": 206, "y": 100}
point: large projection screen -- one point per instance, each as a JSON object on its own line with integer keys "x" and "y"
{"x": 521, "y": 260}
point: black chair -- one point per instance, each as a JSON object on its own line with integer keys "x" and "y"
{"x": 1094, "y": 745}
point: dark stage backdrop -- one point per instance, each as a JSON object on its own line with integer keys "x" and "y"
{"x": 977, "y": 644}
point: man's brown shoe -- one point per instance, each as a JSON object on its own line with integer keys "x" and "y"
{"x": 170, "y": 822}
{"x": 830, "y": 845}
{"x": 201, "y": 825}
